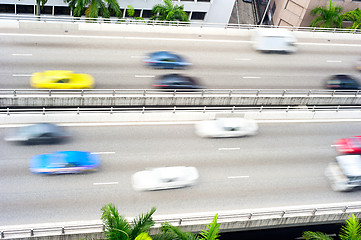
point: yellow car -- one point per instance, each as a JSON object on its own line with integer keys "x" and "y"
{"x": 60, "y": 79}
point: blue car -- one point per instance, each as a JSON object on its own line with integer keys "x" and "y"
{"x": 64, "y": 162}
{"x": 166, "y": 60}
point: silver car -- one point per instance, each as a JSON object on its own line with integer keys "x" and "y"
{"x": 226, "y": 127}
{"x": 165, "y": 178}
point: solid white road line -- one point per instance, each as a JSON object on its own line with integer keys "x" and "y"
{"x": 137, "y": 56}
{"x": 228, "y": 149}
{"x": 334, "y": 61}
{"x": 235, "y": 177}
{"x": 106, "y": 183}
{"x": 250, "y": 77}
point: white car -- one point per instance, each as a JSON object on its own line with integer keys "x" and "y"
{"x": 165, "y": 178}
{"x": 226, "y": 127}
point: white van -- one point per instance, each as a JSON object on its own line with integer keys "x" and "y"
{"x": 273, "y": 40}
{"x": 345, "y": 173}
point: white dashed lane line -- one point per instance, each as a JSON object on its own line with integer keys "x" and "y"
{"x": 22, "y": 54}
{"x": 334, "y": 61}
{"x": 22, "y": 75}
{"x": 242, "y": 59}
{"x": 106, "y": 183}
{"x": 236, "y": 177}
{"x": 228, "y": 149}
{"x": 103, "y": 153}
{"x": 250, "y": 77}
{"x": 144, "y": 76}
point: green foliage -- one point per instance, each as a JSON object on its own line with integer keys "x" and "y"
{"x": 316, "y": 236}
{"x": 327, "y": 17}
{"x": 352, "y": 229}
{"x": 38, "y": 3}
{"x": 213, "y": 230}
{"x": 354, "y": 17}
{"x": 169, "y": 12}
{"x": 117, "y": 227}
{"x": 177, "y": 233}
{"x": 143, "y": 236}
{"x": 92, "y": 8}
{"x": 130, "y": 11}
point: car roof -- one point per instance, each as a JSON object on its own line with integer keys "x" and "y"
{"x": 350, "y": 164}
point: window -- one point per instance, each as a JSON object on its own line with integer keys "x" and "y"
{"x": 61, "y": 10}
{"x": 203, "y": 0}
{"x": 25, "y": 9}
{"x": 147, "y": 13}
{"x": 46, "y": 10}
{"x": 7, "y": 8}
{"x": 198, "y": 15}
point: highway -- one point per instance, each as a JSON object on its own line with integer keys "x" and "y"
{"x": 281, "y": 166}
{"x": 115, "y": 60}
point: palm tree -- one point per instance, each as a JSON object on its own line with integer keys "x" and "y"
{"x": 327, "y": 17}
{"x": 169, "y": 12}
{"x": 91, "y": 8}
{"x": 117, "y": 227}
{"x": 212, "y": 232}
{"x": 354, "y": 17}
{"x": 38, "y": 3}
{"x": 350, "y": 231}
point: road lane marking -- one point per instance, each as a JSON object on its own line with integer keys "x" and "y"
{"x": 242, "y": 59}
{"x": 235, "y": 177}
{"x": 137, "y": 56}
{"x": 334, "y": 61}
{"x": 22, "y": 54}
{"x": 228, "y": 149}
{"x": 250, "y": 77}
{"x": 144, "y": 76}
{"x": 22, "y": 75}
{"x": 102, "y": 153}
{"x": 106, "y": 183}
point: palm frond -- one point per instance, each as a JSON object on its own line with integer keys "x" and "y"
{"x": 116, "y": 226}
{"x": 308, "y": 235}
{"x": 213, "y": 230}
{"x": 177, "y": 232}
{"x": 142, "y": 223}
{"x": 352, "y": 229}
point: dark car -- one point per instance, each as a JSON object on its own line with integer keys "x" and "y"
{"x": 40, "y": 133}
{"x": 166, "y": 60}
{"x": 342, "y": 82}
{"x": 176, "y": 81}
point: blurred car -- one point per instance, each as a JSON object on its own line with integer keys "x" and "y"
{"x": 226, "y": 127}
{"x": 351, "y": 145}
{"x": 176, "y": 81}
{"x": 40, "y": 133}
{"x": 345, "y": 173}
{"x": 165, "y": 178}
{"x": 166, "y": 60}
{"x": 274, "y": 40}
{"x": 64, "y": 162}
{"x": 342, "y": 82}
{"x": 59, "y": 79}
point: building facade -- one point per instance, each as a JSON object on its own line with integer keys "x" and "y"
{"x": 297, "y": 12}
{"x": 212, "y": 11}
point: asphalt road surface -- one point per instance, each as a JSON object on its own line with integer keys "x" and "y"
{"x": 281, "y": 166}
{"x": 115, "y": 61}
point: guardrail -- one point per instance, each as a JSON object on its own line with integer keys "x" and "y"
{"x": 204, "y": 109}
{"x": 100, "y": 20}
{"x": 180, "y": 92}
{"x": 191, "y": 219}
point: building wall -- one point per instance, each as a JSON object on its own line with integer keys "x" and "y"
{"x": 297, "y": 12}
{"x": 214, "y": 11}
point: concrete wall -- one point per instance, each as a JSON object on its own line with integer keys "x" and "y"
{"x": 54, "y": 101}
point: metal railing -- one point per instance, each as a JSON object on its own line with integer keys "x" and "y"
{"x": 175, "y": 109}
{"x": 184, "y": 219}
{"x": 69, "y": 19}
{"x": 177, "y": 93}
